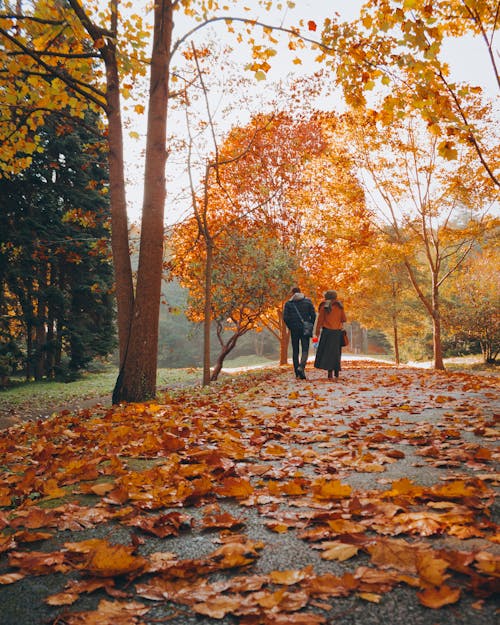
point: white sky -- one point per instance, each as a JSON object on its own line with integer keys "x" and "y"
{"x": 467, "y": 58}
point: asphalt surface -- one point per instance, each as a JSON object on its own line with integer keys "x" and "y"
{"x": 366, "y": 400}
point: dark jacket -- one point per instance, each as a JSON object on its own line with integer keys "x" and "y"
{"x": 305, "y": 307}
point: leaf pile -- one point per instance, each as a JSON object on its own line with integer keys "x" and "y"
{"x": 386, "y": 480}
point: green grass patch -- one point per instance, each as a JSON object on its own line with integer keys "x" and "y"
{"x": 43, "y": 397}
{"x": 248, "y": 361}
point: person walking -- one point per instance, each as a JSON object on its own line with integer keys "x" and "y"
{"x": 299, "y": 316}
{"x": 331, "y": 316}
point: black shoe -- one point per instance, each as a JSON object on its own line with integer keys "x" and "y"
{"x": 301, "y": 373}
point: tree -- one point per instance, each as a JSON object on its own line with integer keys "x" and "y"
{"x": 397, "y": 49}
{"x": 419, "y": 195}
{"x": 474, "y": 299}
{"x": 382, "y": 296}
{"x": 249, "y": 268}
{"x": 55, "y": 269}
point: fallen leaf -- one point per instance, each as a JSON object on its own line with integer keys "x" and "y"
{"x": 439, "y": 597}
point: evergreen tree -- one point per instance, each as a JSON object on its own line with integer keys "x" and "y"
{"x": 55, "y": 270}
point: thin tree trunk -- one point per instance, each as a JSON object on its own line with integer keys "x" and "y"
{"x": 396, "y": 339}
{"x": 40, "y": 327}
{"x": 207, "y": 313}
{"x": 436, "y": 335}
{"x": 284, "y": 339}
{"x": 29, "y": 346}
{"x": 137, "y": 379}
{"x": 226, "y": 349}
{"x": 119, "y": 232}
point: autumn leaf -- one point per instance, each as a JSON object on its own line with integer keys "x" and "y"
{"x": 311, "y": 25}
{"x": 218, "y": 606}
{"x": 431, "y": 569}
{"x": 396, "y": 554}
{"x": 109, "y": 613}
{"x": 338, "y": 551}
{"x": 101, "y": 558}
{"x": 290, "y": 577}
{"x": 10, "y": 578}
{"x": 439, "y": 597}
{"x": 239, "y": 488}
{"x": 323, "y": 488}
{"x": 235, "y": 554}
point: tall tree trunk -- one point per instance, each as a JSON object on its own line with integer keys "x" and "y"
{"x": 41, "y": 324}
{"x": 284, "y": 339}
{"x": 29, "y": 347}
{"x": 137, "y": 378}
{"x": 395, "y": 338}
{"x": 119, "y": 233}
{"x": 207, "y": 313}
{"x": 436, "y": 327}
{"x": 395, "y": 321}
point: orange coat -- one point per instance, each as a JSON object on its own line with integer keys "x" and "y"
{"x": 331, "y": 320}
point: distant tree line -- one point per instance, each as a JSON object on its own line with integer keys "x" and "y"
{"x": 56, "y": 276}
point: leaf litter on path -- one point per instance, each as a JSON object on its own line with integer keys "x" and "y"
{"x": 265, "y": 500}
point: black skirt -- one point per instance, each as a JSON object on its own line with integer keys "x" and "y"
{"x": 329, "y": 350}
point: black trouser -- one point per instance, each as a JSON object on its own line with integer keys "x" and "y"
{"x": 299, "y": 341}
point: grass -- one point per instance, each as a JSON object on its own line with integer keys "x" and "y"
{"x": 248, "y": 361}
{"x": 45, "y": 396}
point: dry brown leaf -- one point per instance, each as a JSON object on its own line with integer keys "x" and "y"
{"x": 439, "y": 597}
{"x": 109, "y": 613}
{"x": 290, "y": 577}
{"x": 103, "y": 559}
{"x": 218, "y": 606}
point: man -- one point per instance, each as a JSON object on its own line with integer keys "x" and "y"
{"x": 298, "y": 309}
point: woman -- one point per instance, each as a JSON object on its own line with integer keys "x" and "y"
{"x": 331, "y": 316}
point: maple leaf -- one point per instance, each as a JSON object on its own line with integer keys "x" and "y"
{"x": 7, "y": 543}
{"x": 234, "y": 554}
{"x": 221, "y": 520}
{"x": 431, "y": 569}
{"x": 291, "y": 576}
{"x": 323, "y": 488}
{"x": 10, "y": 578}
{"x": 311, "y": 25}
{"x": 101, "y": 558}
{"x": 439, "y": 597}
{"x": 338, "y": 551}
{"x": 109, "y": 613}
{"x": 397, "y": 554}
{"x": 235, "y": 487}
{"x": 219, "y": 606}
{"x": 488, "y": 563}
{"x": 38, "y": 562}
{"x": 162, "y": 525}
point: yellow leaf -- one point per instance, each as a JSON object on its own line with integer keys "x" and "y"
{"x": 340, "y": 552}
{"x": 330, "y": 489}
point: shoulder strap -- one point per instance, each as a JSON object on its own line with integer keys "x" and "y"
{"x": 300, "y": 316}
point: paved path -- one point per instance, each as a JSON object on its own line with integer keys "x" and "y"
{"x": 352, "y": 503}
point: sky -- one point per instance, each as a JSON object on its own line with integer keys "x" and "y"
{"x": 467, "y": 60}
